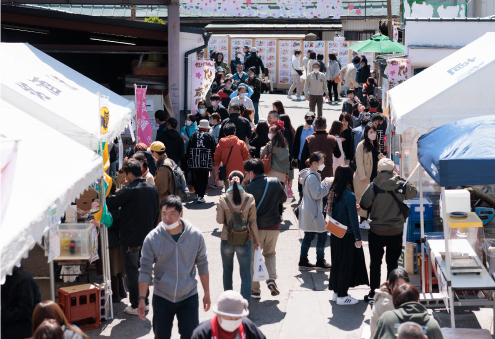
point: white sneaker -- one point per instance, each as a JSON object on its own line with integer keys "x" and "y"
{"x": 365, "y": 225}
{"x": 289, "y": 97}
{"x": 201, "y": 200}
{"x": 334, "y": 297}
{"x": 299, "y": 99}
{"x": 130, "y": 310}
{"x": 347, "y": 301}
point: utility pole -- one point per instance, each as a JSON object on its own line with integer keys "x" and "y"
{"x": 389, "y": 20}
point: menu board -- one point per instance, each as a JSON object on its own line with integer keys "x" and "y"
{"x": 219, "y": 44}
{"x": 286, "y": 50}
{"x": 239, "y": 44}
{"x": 267, "y": 51}
{"x": 317, "y": 46}
{"x": 342, "y": 48}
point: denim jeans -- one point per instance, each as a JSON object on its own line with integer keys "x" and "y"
{"x": 320, "y": 244}
{"x": 131, "y": 258}
{"x": 164, "y": 311}
{"x": 244, "y": 259}
{"x": 256, "y": 115}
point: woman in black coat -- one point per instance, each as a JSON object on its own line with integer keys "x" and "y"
{"x": 259, "y": 138}
{"x": 348, "y": 135}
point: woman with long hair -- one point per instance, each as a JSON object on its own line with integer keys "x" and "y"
{"x": 279, "y": 107}
{"x": 383, "y": 300}
{"x": 367, "y": 157}
{"x": 50, "y": 310}
{"x": 49, "y": 329}
{"x": 289, "y": 134}
{"x": 311, "y": 61}
{"x": 279, "y": 149}
{"x": 259, "y": 138}
{"x": 249, "y": 114}
{"x": 347, "y": 137}
{"x": 336, "y": 131}
{"x": 237, "y": 200}
{"x": 311, "y": 219}
{"x": 348, "y": 264}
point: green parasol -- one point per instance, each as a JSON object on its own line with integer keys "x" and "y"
{"x": 378, "y": 44}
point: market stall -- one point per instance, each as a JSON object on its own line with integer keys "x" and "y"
{"x": 42, "y": 171}
{"x": 459, "y": 154}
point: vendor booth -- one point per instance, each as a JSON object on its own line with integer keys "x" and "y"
{"x": 69, "y": 103}
{"x": 460, "y": 154}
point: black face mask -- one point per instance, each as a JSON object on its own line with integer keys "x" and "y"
{"x": 309, "y": 122}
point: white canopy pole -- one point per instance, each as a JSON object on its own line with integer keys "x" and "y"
{"x": 422, "y": 223}
{"x": 446, "y": 233}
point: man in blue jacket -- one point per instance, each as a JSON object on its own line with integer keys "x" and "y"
{"x": 175, "y": 248}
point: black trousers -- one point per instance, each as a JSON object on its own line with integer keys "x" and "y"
{"x": 200, "y": 182}
{"x": 132, "y": 258}
{"x": 332, "y": 85}
{"x": 376, "y": 244}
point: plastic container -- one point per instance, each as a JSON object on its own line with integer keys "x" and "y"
{"x": 414, "y": 205}
{"x": 414, "y": 229}
{"x": 75, "y": 241}
{"x": 489, "y": 248}
{"x": 457, "y": 201}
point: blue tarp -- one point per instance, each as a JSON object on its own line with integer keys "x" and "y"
{"x": 461, "y": 153}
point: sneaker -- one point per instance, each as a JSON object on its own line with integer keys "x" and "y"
{"x": 191, "y": 189}
{"x": 272, "y": 286}
{"x": 347, "y": 301}
{"x": 322, "y": 265}
{"x": 304, "y": 264}
{"x": 365, "y": 225}
{"x": 289, "y": 97}
{"x": 214, "y": 186}
{"x": 201, "y": 200}
{"x": 369, "y": 299}
{"x": 255, "y": 295}
{"x": 334, "y": 297}
{"x": 300, "y": 99}
{"x": 130, "y": 310}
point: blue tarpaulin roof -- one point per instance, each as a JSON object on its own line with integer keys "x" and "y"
{"x": 461, "y": 153}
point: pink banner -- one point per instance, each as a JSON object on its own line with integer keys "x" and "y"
{"x": 399, "y": 70}
{"x": 144, "y": 130}
{"x": 202, "y": 77}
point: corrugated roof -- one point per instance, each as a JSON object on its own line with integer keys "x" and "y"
{"x": 374, "y": 8}
{"x": 273, "y": 26}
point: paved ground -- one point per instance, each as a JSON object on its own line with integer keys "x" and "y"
{"x": 303, "y": 309}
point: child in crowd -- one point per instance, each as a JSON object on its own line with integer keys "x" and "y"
{"x": 358, "y": 113}
{"x": 352, "y": 99}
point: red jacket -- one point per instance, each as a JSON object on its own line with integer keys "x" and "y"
{"x": 239, "y": 153}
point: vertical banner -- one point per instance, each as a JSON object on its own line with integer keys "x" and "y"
{"x": 54, "y": 242}
{"x": 203, "y": 74}
{"x": 399, "y": 70}
{"x": 144, "y": 130}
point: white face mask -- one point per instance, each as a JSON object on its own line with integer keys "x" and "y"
{"x": 321, "y": 167}
{"x": 316, "y": 70}
{"x": 211, "y": 121}
{"x": 188, "y": 123}
{"x": 251, "y": 75}
{"x": 171, "y": 226}
{"x": 242, "y": 95}
{"x": 372, "y": 136}
{"x": 270, "y": 136}
{"x": 230, "y": 325}
{"x": 239, "y": 56}
{"x": 213, "y": 103}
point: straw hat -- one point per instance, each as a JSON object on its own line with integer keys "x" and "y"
{"x": 231, "y": 304}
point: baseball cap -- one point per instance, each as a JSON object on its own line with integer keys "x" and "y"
{"x": 254, "y": 49}
{"x": 156, "y": 146}
{"x": 309, "y": 114}
{"x": 252, "y": 69}
{"x": 173, "y": 122}
{"x": 246, "y": 46}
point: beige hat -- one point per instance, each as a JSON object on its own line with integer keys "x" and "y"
{"x": 156, "y": 146}
{"x": 204, "y": 124}
{"x": 231, "y": 304}
{"x": 386, "y": 165}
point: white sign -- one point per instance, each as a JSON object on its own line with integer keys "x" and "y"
{"x": 54, "y": 244}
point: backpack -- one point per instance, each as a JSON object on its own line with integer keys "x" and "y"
{"x": 237, "y": 228}
{"x": 403, "y": 208}
{"x": 179, "y": 180}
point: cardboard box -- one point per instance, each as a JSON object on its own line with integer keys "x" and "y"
{"x": 89, "y": 194}
{"x": 84, "y": 204}
{"x": 411, "y": 258}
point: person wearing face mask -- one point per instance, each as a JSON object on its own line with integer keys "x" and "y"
{"x": 255, "y": 84}
{"x": 230, "y": 320}
{"x": 174, "y": 250}
{"x": 367, "y": 156}
{"x": 253, "y": 60}
{"x": 347, "y": 135}
{"x": 315, "y": 88}
{"x": 242, "y": 125}
{"x": 216, "y": 108}
{"x": 302, "y": 132}
{"x": 203, "y": 114}
{"x": 163, "y": 180}
{"x": 240, "y": 76}
{"x": 311, "y": 219}
{"x": 237, "y": 60}
{"x": 241, "y": 97}
{"x": 226, "y": 91}
{"x": 387, "y": 221}
{"x": 278, "y": 147}
{"x": 138, "y": 203}
{"x": 219, "y": 62}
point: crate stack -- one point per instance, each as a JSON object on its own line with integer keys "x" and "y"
{"x": 80, "y": 305}
{"x": 414, "y": 221}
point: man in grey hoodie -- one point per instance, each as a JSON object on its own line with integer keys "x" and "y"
{"x": 175, "y": 248}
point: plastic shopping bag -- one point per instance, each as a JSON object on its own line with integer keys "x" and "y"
{"x": 259, "y": 267}
{"x": 288, "y": 191}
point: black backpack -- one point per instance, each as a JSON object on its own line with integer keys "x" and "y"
{"x": 404, "y": 209}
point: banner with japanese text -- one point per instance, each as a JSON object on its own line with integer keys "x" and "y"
{"x": 203, "y": 74}
{"x": 144, "y": 130}
{"x": 399, "y": 70}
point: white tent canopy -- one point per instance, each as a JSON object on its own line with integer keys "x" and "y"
{"x": 455, "y": 88}
{"x": 58, "y": 96}
{"x": 49, "y": 170}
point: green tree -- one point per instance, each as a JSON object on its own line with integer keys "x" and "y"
{"x": 154, "y": 20}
